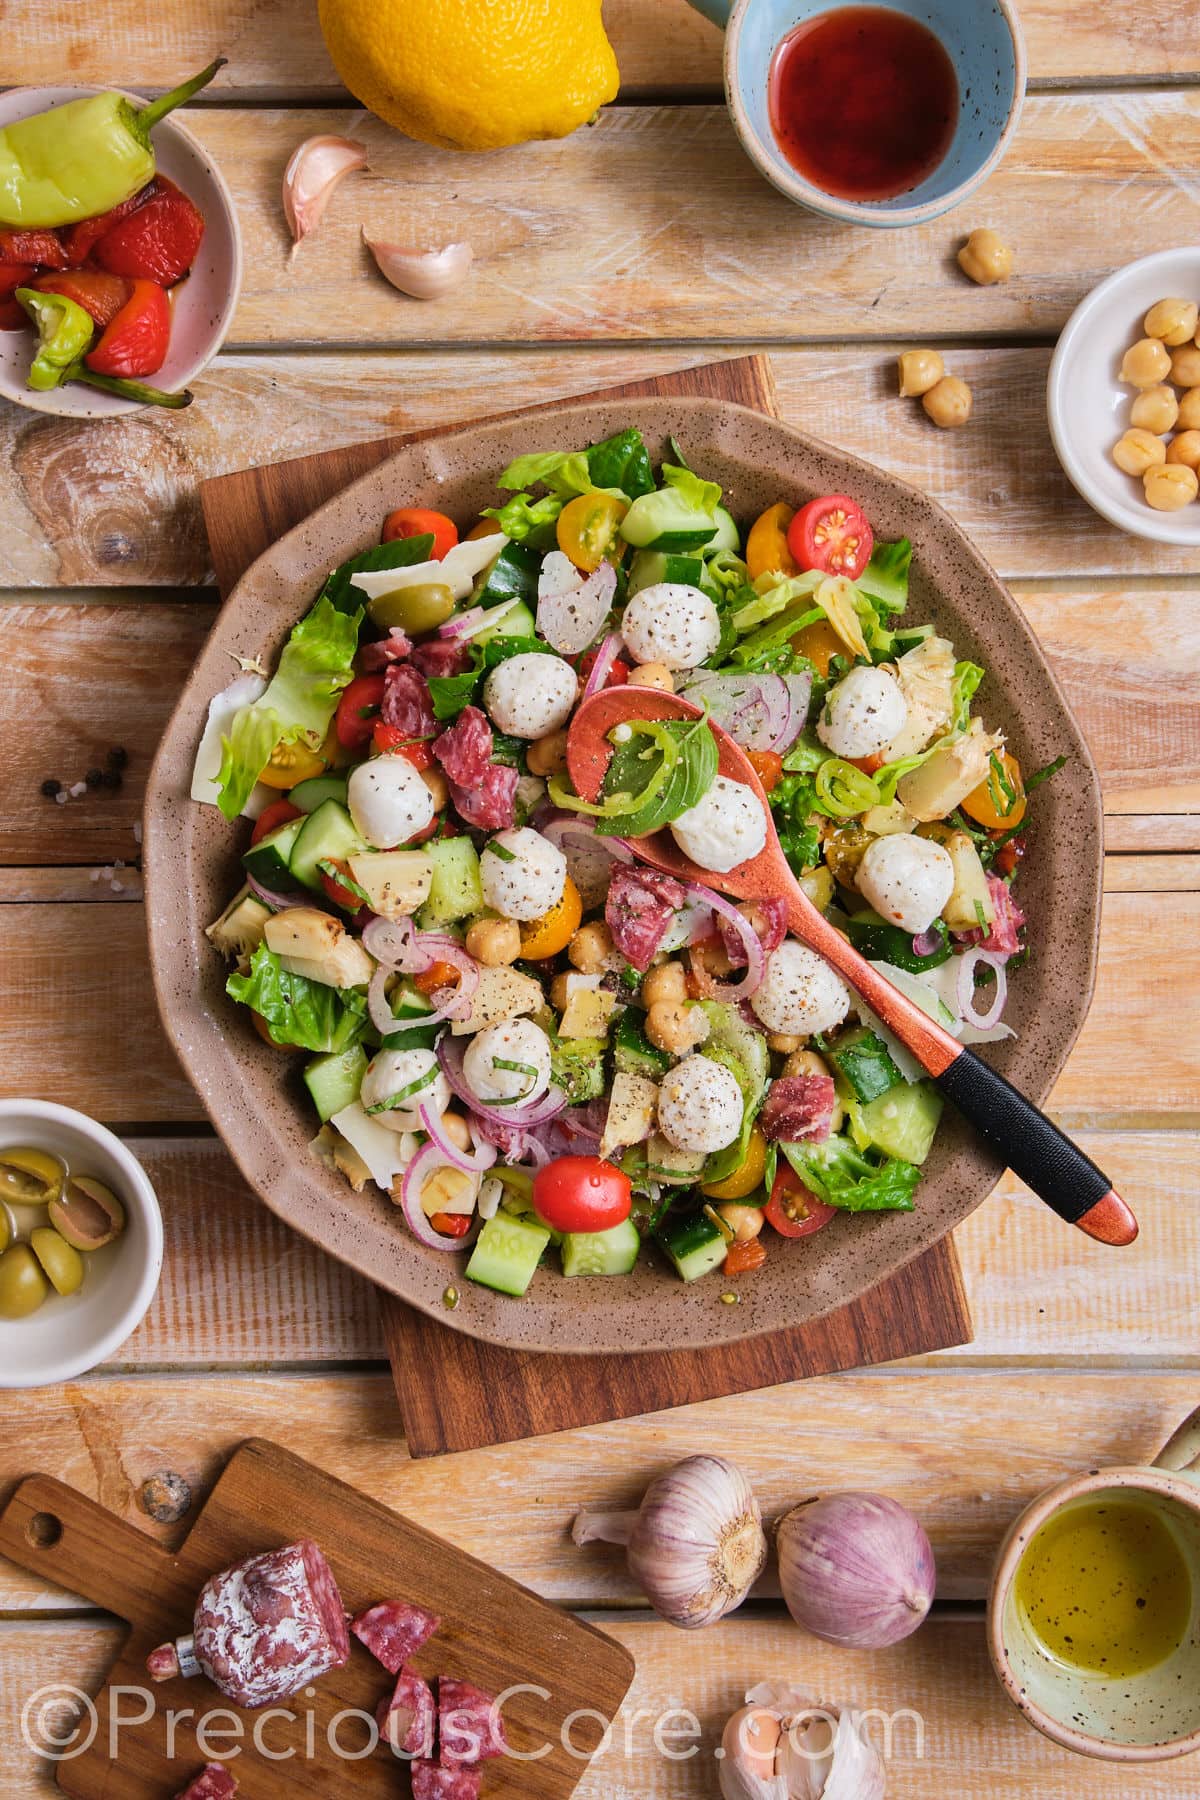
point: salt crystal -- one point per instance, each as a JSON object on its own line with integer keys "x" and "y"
{"x": 95, "y": 875}
{"x": 61, "y": 798}
{"x": 77, "y": 789}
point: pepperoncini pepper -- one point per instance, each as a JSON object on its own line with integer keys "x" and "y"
{"x": 65, "y": 333}
{"x": 82, "y": 158}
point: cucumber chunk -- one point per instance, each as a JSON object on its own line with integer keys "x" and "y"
{"x": 333, "y": 1081}
{"x": 611, "y": 1252}
{"x": 901, "y": 1123}
{"x": 455, "y": 892}
{"x": 507, "y": 1253}
{"x": 269, "y": 861}
{"x": 648, "y": 567}
{"x": 694, "y": 1245}
{"x": 314, "y": 792}
{"x": 327, "y": 835}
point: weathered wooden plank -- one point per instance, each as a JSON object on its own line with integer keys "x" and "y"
{"x": 965, "y": 1450}
{"x": 1146, "y": 834}
{"x": 1151, "y": 874}
{"x": 131, "y": 514}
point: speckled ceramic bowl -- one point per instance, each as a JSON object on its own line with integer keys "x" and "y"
{"x": 255, "y": 1096}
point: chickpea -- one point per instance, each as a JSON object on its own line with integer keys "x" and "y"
{"x": 1155, "y": 409}
{"x": 784, "y": 1041}
{"x": 948, "y": 403}
{"x": 1174, "y": 321}
{"x": 1185, "y": 449}
{"x": 1145, "y": 363}
{"x": 548, "y": 755}
{"x": 668, "y": 981}
{"x": 919, "y": 371}
{"x": 676, "y": 1028}
{"x": 653, "y": 675}
{"x": 457, "y": 1130}
{"x": 745, "y": 1222}
{"x": 438, "y": 786}
{"x": 710, "y": 954}
{"x": 1188, "y": 418}
{"x": 1171, "y": 486}
{"x": 494, "y": 942}
{"x": 592, "y": 950}
{"x": 1185, "y": 366}
{"x": 1138, "y": 451}
{"x": 985, "y": 257}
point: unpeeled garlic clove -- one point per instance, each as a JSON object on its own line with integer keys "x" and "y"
{"x": 820, "y": 1752}
{"x": 313, "y": 172}
{"x": 423, "y": 274}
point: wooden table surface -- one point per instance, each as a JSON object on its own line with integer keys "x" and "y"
{"x": 636, "y": 246}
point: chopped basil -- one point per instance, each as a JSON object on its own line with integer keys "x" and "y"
{"x": 502, "y": 851}
{"x": 406, "y": 1093}
{"x": 1040, "y": 775}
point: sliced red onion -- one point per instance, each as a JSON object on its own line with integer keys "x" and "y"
{"x": 570, "y": 825}
{"x": 756, "y": 710}
{"x": 964, "y": 988}
{"x": 428, "y": 1158}
{"x": 450, "y": 1054}
{"x": 465, "y": 625}
{"x": 452, "y": 1003}
{"x": 799, "y": 689}
{"x": 570, "y": 620}
{"x": 394, "y": 943}
{"x": 471, "y": 1162}
{"x": 532, "y": 1150}
{"x": 926, "y": 942}
{"x": 756, "y": 962}
{"x": 600, "y": 670}
{"x": 277, "y": 902}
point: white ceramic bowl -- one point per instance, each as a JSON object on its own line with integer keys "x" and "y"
{"x": 1089, "y": 406}
{"x": 203, "y": 303}
{"x": 68, "y": 1335}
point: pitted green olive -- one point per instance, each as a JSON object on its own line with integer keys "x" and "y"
{"x": 88, "y": 1215}
{"x": 30, "y": 1177}
{"x": 6, "y": 1229}
{"x": 421, "y": 607}
{"x": 61, "y": 1262}
{"x": 23, "y": 1287}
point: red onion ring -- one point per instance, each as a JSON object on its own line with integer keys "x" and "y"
{"x": 756, "y": 962}
{"x": 600, "y": 670}
{"x": 756, "y": 710}
{"x": 277, "y": 902}
{"x": 926, "y": 942}
{"x": 451, "y": 1002}
{"x": 421, "y": 1166}
{"x": 964, "y": 987}
{"x": 567, "y": 825}
{"x": 450, "y": 1053}
{"x": 394, "y": 943}
{"x": 470, "y": 1162}
{"x": 455, "y": 627}
{"x": 398, "y": 948}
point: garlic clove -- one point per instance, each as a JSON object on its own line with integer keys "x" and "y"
{"x": 748, "y": 1746}
{"x": 852, "y": 1768}
{"x": 425, "y": 275}
{"x": 314, "y": 170}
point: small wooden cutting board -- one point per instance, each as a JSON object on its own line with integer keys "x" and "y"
{"x": 494, "y": 1633}
{"x": 455, "y": 1392}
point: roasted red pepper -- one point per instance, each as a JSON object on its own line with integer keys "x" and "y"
{"x": 158, "y": 242}
{"x": 100, "y": 295}
{"x": 79, "y": 240}
{"x": 36, "y": 249}
{"x": 136, "y": 341}
{"x": 12, "y": 314}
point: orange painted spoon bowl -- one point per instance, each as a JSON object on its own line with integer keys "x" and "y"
{"x": 1034, "y": 1148}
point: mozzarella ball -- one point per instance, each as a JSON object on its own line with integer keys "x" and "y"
{"x": 523, "y": 875}
{"x": 390, "y": 1073}
{"x": 907, "y": 880}
{"x": 800, "y": 993}
{"x": 388, "y": 801}
{"x": 530, "y": 696}
{"x": 723, "y": 829}
{"x": 700, "y": 1105}
{"x": 672, "y": 624}
{"x": 864, "y": 711}
{"x": 516, "y": 1041}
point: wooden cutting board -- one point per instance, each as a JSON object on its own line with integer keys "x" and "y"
{"x": 455, "y": 1392}
{"x": 494, "y": 1633}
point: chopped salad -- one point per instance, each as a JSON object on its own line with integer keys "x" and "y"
{"x": 510, "y": 1024}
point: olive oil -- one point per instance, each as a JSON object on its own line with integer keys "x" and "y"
{"x": 1105, "y": 1588}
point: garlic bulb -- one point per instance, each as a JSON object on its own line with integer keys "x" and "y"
{"x": 855, "y": 1569}
{"x": 782, "y": 1745}
{"x": 696, "y": 1545}
{"x": 313, "y": 172}
{"x": 425, "y": 274}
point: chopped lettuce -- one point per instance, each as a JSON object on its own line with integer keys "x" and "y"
{"x": 524, "y": 519}
{"x": 298, "y": 1011}
{"x": 860, "y": 1181}
{"x": 577, "y": 1067}
{"x": 622, "y": 462}
{"x": 775, "y": 595}
{"x": 700, "y": 495}
{"x": 885, "y": 578}
{"x": 967, "y": 677}
{"x": 298, "y": 704}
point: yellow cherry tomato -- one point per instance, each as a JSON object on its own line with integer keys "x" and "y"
{"x": 555, "y": 929}
{"x": 999, "y": 801}
{"x": 587, "y": 529}
{"x": 767, "y": 546}
{"x": 485, "y": 528}
{"x": 820, "y": 643}
{"x": 292, "y": 763}
{"x": 743, "y": 1181}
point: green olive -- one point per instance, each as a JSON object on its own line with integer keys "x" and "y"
{"x": 420, "y": 607}
{"x": 60, "y": 1261}
{"x": 23, "y": 1287}
{"x": 6, "y": 1229}
{"x": 818, "y": 885}
{"x": 88, "y": 1215}
{"x": 30, "y": 1177}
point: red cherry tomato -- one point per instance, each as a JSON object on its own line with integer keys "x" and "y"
{"x": 617, "y": 676}
{"x": 438, "y": 975}
{"x": 792, "y": 1210}
{"x": 421, "y": 521}
{"x": 278, "y": 813}
{"x": 417, "y": 751}
{"x": 581, "y": 1193}
{"x": 358, "y": 711}
{"x": 832, "y": 534}
{"x": 768, "y": 766}
{"x": 341, "y": 896}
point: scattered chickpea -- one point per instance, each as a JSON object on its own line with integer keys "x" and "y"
{"x": 745, "y": 1222}
{"x": 919, "y": 371}
{"x": 1185, "y": 366}
{"x": 985, "y": 257}
{"x": 668, "y": 981}
{"x": 1145, "y": 363}
{"x": 653, "y": 675}
{"x": 1174, "y": 321}
{"x": 548, "y": 755}
{"x": 784, "y": 1042}
{"x": 457, "y": 1130}
{"x": 1189, "y": 411}
{"x": 1155, "y": 409}
{"x": 559, "y": 992}
{"x": 948, "y": 403}
{"x": 1185, "y": 449}
{"x": 494, "y": 942}
{"x": 438, "y": 786}
{"x": 592, "y": 950}
{"x": 1138, "y": 451}
{"x": 1171, "y": 486}
{"x": 710, "y": 954}
{"x": 676, "y": 1028}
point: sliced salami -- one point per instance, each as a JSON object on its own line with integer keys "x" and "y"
{"x": 1003, "y": 934}
{"x": 432, "y": 1781}
{"x": 212, "y": 1783}
{"x": 465, "y": 749}
{"x": 492, "y": 806}
{"x": 408, "y": 1718}
{"x": 769, "y": 918}
{"x": 798, "y": 1109}
{"x": 406, "y": 703}
{"x": 639, "y": 908}
{"x": 470, "y": 1727}
{"x": 393, "y": 1631}
{"x": 393, "y": 648}
{"x": 442, "y": 656}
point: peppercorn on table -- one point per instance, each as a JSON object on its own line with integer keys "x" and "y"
{"x": 636, "y": 246}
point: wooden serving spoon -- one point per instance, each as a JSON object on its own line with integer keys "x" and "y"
{"x": 1055, "y": 1168}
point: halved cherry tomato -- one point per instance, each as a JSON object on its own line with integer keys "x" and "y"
{"x": 741, "y": 1258}
{"x": 587, "y": 529}
{"x": 271, "y": 817}
{"x": 767, "y": 765}
{"x": 868, "y": 764}
{"x": 555, "y": 929}
{"x": 341, "y": 896}
{"x": 820, "y": 643}
{"x": 832, "y": 534}
{"x": 437, "y": 975}
{"x": 617, "y": 676}
{"x": 358, "y": 711}
{"x": 767, "y": 546}
{"x": 743, "y": 1181}
{"x": 792, "y": 1210}
{"x": 291, "y": 764}
{"x": 1009, "y": 855}
{"x": 581, "y": 1193}
{"x": 999, "y": 801}
{"x": 417, "y": 751}
{"x": 451, "y": 1224}
{"x": 422, "y": 521}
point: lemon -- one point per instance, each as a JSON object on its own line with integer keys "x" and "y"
{"x": 473, "y": 74}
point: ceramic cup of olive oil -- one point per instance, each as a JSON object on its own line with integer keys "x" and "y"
{"x": 1094, "y": 1610}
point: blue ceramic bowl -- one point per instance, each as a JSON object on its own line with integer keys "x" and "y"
{"x": 984, "y": 42}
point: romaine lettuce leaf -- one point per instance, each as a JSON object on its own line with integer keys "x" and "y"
{"x": 298, "y": 1011}
{"x": 885, "y": 577}
{"x": 857, "y": 1180}
{"x": 523, "y": 518}
{"x": 967, "y": 677}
